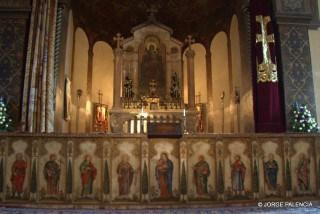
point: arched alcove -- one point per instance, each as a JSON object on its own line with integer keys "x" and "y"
{"x": 220, "y": 83}
{"x": 200, "y": 73}
{"x": 79, "y": 80}
{"x": 102, "y": 76}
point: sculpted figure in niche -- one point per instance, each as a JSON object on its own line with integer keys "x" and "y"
{"x": 238, "y": 172}
{"x": 164, "y": 170}
{"x": 51, "y": 174}
{"x": 125, "y": 175}
{"x": 88, "y": 175}
{"x": 271, "y": 169}
{"x": 201, "y": 172}
{"x": 303, "y": 173}
{"x": 18, "y": 174}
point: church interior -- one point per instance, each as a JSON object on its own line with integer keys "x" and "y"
{"x": 159, "y": 103}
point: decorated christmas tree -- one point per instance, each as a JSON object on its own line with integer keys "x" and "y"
{"x": 301, "y": 119}
{"x": 5, "y": 121}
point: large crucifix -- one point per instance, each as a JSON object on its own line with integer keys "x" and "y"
{"x": 118, "y": 39}
{"x": 267, "y": 70}
{"x": 189, "y": 41}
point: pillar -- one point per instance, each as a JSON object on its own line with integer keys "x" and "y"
{"x": 89, "y": 89}
{"x": 191, "y": 84}
{"x": 210, "y": 123}
{"x": 118, "y": 52}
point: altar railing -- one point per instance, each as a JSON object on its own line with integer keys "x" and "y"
{"x": 123, "y": 169}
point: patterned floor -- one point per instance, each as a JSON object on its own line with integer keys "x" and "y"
{"x": 225, "y": 210}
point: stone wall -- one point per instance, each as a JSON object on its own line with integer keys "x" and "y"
{"x": 112, "y": 170}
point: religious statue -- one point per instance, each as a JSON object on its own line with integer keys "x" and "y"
{"x": 175, "y": 88}
{"x": 164, "y": 171}
{"x": 128, "y": 88}
{"x": 51, "y": 174}
{"x": 125, "y": 175}
{"x": 238, "y": 172}
{"x": 88, "y": 175}
{"x": 18, "y": 174}
{"x": 201, "y": 172}
{"x": 303, "y": 173}
{"x": 271, "y": 169}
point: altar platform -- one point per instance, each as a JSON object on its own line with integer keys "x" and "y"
{"x": 111, "y": 170}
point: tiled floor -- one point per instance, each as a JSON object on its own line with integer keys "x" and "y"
{"x": 226, "y": 210}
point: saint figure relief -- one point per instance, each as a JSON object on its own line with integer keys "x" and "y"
{"x": 271, "y": 169}
{"x": 238, "y": 172}
{"x": 303, "y": 173}
{"x": 125, "y": 175}
{"x": 201, "y": 172}
{"x": 18, "y": 174}
{"x": 164, "y": 170}
{"x": 88, "y": 174}
{"x": 51, "y": 174}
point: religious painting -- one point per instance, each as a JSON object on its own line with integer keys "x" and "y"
{"x": 164, "y": 170}
{"x": 272, "y": 168}
{"x": 52, "y": 167}
{"x": 126, "y": 170}
{"x": 303, "y": 168}
{"x": 237, "y": 170}
{"x": 201, "y": 168}
{"x": 18, "y": 170}
{"x": 152, "y": 69}
{"x": 87, "y": 168}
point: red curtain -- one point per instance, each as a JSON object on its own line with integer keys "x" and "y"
{"x": 268, "y": 103}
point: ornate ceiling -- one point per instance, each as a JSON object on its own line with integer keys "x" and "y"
{"x": 102, "y": 19}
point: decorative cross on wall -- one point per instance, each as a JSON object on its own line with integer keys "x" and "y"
{"x": 267, "y": 70}
{"x": 189, "y": 41}
{"x": 119, "y": 39}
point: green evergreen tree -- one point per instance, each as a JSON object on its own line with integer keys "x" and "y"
{"x": 255, "y": 185}
{"x": 288, "y": 176}
{"x": 5, "y": 121}
{"x": 145, "y": 183}
{"x": 1, "y": 175}
{"x": 106, "y": 184}
{"x": 301, "y": 119}
{"x": 184, "y": 185}
{"x": 220, "y": 181}
{"x": 33, "y": 185}
{"x": 69, "y": 178}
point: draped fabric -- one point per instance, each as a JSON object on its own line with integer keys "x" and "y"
{"x": 268, "y": 112}
{"x": 38, "y": 94}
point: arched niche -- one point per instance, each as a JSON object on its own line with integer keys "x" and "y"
{"x": 220, "y": 83}
{"x": 200, "y": 73}
{"x": 79, "y": 80}
{"x": 102, "y": 76}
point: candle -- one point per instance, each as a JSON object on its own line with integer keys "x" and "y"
{"x": 184, "y": 112}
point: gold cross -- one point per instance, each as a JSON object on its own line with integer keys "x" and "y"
{"x": 119, "y": 39}
{"x": 267, "y": 70}
{"x": 189, "y": 40}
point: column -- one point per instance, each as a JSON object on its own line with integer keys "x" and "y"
{"x": 117, "y": 78}
{"x": 210, "y": 124}
{"x": 89, "y": 89}
{"x": 191, "y": 84}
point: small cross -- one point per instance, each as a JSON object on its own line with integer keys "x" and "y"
{"x": 100, "y": 94}
{"x": 119, "y": 39}
{"x": 189, "y": 40}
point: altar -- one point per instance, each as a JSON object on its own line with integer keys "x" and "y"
{"x": 148, "y": 80}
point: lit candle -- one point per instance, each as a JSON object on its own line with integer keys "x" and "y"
{"x": 184, "y": 112}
